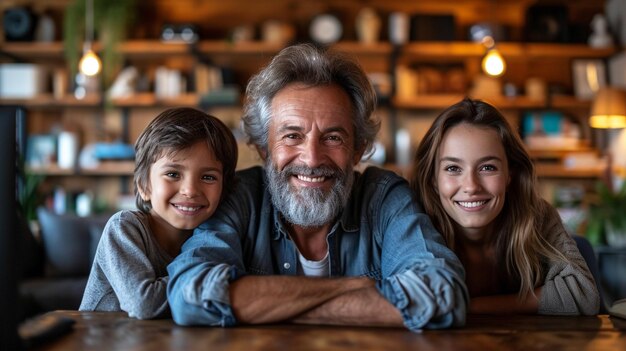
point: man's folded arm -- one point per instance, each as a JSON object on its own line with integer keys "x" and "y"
{"x": 218, "y": 295}
{"x": 267, "y": 299}
{"x": 363, "y": 307}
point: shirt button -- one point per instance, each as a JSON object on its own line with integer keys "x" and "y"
{"x": 286, "y": 265}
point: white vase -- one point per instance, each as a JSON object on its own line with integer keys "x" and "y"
{"x": 67, "y": 150}
{"x": 615, "y": 237}
{"x": 399, "y": 28}
{"x": 367, "y": 26}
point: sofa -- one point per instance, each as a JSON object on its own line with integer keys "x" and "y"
{"x": 55, "y": 268}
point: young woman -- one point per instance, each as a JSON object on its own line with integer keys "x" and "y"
{"x": 477, "y": 183}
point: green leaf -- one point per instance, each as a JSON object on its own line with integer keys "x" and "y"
{"x": 608, "y": 207}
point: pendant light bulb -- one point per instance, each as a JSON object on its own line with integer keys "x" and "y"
{"x": 493, "y": 63}
{"x": 89, "y": 64}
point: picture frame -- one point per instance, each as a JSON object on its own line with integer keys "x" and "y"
{"x": 548, "y": 129}
{"x": 41, "y": 150}
{"x": 588, "y": 76}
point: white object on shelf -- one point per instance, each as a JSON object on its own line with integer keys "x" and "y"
{"x": 168, "y": 83}
{"x": 21, "y": 80}
{"x": 368, "y": 25}
{"x": 67, "y": 150}
{"x": 59, "y": 201}
{"x": 83, "y": 204}
{"x": 326, "y": 29}
{"x": 124, "y": 84}
{"x": 403, "y": 147}
{"x": 399, "y": 28}
{"x": 600, "y": 37}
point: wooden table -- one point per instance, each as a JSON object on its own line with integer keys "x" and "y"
{"x": 115, "y": 331}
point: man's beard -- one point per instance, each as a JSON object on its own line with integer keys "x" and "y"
{"x": 308, "y": 207}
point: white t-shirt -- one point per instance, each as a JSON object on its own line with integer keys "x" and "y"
{"x": 309, "y": 268}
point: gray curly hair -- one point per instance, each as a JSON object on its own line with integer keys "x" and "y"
{"x": 312, "y": 66}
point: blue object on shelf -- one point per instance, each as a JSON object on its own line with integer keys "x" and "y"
{"x": 114, "y": 151}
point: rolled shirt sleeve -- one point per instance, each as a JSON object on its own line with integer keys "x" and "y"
{"x": 422, "y": 277}
{"x": 200, "y": 275}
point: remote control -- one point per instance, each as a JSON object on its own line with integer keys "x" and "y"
{"x": 42, "y": 328}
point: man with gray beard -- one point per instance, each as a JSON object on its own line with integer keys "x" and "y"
{"x": 306, "y": 239}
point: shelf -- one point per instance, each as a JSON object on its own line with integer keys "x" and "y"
{"x": 151, "y": 100}
{"x": 560, "y": 152}
{"x": 356, "y": 48}
{"x": 549, "y": 170}
{"x": 48, "y": 100}
{"x": 156, "y": 48}
{"x": 417, "y": 50}
{"x": 105, "y": 168}
{"x": 427, "y": 101}
{"x": 430, "y": 101}
{"x": 460, "y": 50}
{"x": 566, "y": 101}
{"x": 137, "y": 100}
{"x": 440, "y": 101}
{"x": 33, "y": 50}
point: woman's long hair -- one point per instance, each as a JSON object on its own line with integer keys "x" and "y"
{"x": 518, "y": 241}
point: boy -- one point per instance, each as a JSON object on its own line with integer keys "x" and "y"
{"x": 185, "y": 163}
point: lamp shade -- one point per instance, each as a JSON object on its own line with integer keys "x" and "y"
{"x": 608, "y": 109}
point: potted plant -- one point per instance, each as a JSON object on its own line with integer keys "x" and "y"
{"x": 607, "y": 216}
{"x": 110, "y": 21}
{"x": 27, "y": 191}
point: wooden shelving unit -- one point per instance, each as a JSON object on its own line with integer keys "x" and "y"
{"x": 422, "y": 50}
{"x": 96, "y": 116}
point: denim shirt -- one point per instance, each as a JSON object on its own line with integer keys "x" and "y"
{"x": 382, "y": 234}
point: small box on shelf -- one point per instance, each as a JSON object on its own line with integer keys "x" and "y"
{"x": 22, "y": 80}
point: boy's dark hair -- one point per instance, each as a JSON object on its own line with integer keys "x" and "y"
{"x": 174, "y": 130}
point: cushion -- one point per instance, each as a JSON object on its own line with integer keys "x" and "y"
{"x": 49, "y": 294}
{"x": 67, "y": 242}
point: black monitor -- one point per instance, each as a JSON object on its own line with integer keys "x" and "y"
{"x": 8, "y": 236}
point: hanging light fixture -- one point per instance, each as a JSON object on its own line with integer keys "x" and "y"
{"x": 89, "y": 64}
{"x": 493, "y": 63}
{"x": 609, "y": 109}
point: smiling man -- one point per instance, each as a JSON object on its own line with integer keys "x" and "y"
{"x": 306, "y": 239}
